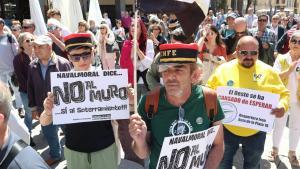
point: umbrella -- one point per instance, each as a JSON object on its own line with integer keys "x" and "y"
{"x": 190, "y": 13}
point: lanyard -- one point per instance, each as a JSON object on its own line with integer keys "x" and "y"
{"x": 180, "y": 125}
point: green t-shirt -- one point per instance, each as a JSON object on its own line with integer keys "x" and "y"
{"x": 164, "y": 123}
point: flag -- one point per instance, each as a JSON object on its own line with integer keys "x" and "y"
{"x": 190, "y": 13}
{"x": 37, "y": 17}
{"x": 95, "y": 12}
{"x": 71, "y": 13}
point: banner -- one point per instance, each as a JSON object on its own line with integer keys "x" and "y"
{"x": 89, "y": 96}
{"x": 188, "y": 151}
{"x": 248, "y": 108}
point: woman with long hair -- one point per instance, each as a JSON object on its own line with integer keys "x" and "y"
{"x": 21, "y": 64}
{"x": 212, "y": 50}
{"x": 145, "y": 54}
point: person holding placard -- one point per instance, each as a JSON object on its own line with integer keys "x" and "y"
{"x": 91, "y": 144}
{"x": 180, "y": 109}
{"x": 249, "y": 73}
{"x": 288, "y": 67}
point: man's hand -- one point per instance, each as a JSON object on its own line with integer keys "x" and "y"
{"x": 137, "y": 129}
{"x": 265, "y": 45}
{"x": 35, "y": 115}
{"x": 49, "y": 104}
{"x": 278, "y": 112}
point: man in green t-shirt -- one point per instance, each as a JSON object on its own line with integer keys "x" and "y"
{"x": 181, "y": 108}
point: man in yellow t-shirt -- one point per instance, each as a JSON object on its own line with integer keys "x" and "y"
{"x": 248, "y": 72}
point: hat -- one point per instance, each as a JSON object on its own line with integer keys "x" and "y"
{"x": 76, "y": 40}
{"x": 43, "y": 40}
{"x": 54, "y": 22}
{"x": 178, "y": 53}
{"x": 263, "y": 14}
{"x": 232, "y": 15}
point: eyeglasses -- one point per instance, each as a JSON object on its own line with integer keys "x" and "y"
{"x": 295, "y": 41}
{"x": 51, "y": 27}
{"x": 248, "y": 52}
{"x": 262, "y": 20}
{"x": 76, "y": 58}
{"x": 26, "y": 27}
{"x": 29, "y": 40}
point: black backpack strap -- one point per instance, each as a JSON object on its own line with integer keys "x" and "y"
{"x": 14, "y": 151}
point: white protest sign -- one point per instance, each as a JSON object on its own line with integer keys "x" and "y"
{"x": 248, "y": 108}
{"x": 188, "y": 151}
{"x": 89, "y": 96}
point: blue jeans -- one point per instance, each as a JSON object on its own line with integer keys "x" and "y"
{"x": 51, "y": 134}
{"x": 28, "y": 114}
{"x": 252, "y": 149}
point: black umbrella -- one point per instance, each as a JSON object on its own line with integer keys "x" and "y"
{"x": 189, "y": 15}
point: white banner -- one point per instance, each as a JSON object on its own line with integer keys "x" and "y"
{"x": 188, "y": 151}
{"x": 248, "y": 108}
{"x": 89, "y": 96}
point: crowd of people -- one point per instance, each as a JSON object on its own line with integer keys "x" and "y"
{"x": 227, "y": 49}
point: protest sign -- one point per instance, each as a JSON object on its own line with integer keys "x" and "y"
{"x": 248, "y": 108}
{"x": 89, "y": 96}
{"x": 188, "y": 151}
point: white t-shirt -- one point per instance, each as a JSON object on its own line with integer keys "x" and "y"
{"x": 293, "y": 82}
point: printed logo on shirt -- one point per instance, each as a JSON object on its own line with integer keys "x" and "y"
{"x": 180, "y": 127}
{"x": 298, "y": 69}
{"x": 199, "y": 120}
{"x": 257, "y": 77}
{"x": 230, "y": 83}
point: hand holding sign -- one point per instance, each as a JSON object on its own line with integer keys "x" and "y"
{"x": 278, "y": 112}
{"x": 46, "y": 116}
{"x": 137, "y": 129}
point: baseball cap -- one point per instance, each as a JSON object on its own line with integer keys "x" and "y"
{"x": 43, "y": 40}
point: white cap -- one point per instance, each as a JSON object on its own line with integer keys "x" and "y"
{"x": 43, "y": 40}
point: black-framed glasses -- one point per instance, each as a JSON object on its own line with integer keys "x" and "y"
{"x": 76, "y": 57}
{"x": 295, "y": 41}
{"x": 51, "y": 27}
{"x": 29, "y": 40}
{"x": 248, "y": 52}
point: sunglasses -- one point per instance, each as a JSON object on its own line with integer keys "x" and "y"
{"x": 155, "y": 29}
{"x": 29, "y": 40}
{"x": 51, "y": 28}
{"x": 262, "y": 20}
{"x": 76, "y": 58}
{"x": 102, "y": 28}
{"x": 294, "y": 41}
{"x": 26, "y": 27}
{"x": 246, "y": 52}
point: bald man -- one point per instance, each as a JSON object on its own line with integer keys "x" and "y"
{"x": 240, "y": 30}
{"x": 242, "y": 71}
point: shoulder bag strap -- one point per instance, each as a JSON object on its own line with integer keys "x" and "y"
{"x": 14, "y": 151}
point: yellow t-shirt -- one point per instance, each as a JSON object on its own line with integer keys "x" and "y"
{"x": 260, "y": 77}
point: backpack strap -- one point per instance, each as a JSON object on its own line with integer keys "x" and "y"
{"x": 210, "y": 99}
{"x": 152, "y": 100}
{"x": 14, "y": 151}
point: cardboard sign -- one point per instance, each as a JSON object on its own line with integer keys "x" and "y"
{"x": 248, "y": 108}
{"x": 89, "y": 96}
{"x": 188, "y": 151}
